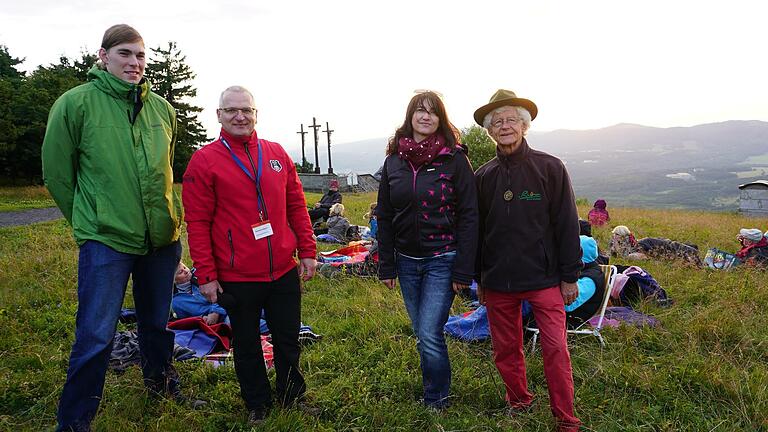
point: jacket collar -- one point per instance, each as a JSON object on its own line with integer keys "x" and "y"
{"x": 116, "y": 87}
{"x": 251, "y": 140}
{"x": 518, "y": 155}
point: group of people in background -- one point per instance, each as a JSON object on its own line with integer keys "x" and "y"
{"x": 623, "y": 244}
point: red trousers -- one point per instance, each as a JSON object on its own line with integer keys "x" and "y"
{"x": 505, "y": 319}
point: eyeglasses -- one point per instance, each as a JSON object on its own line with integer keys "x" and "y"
{"x": 248, "y": 111}
{"x": 511, "y": 120}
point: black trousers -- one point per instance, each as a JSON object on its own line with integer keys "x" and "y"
{"x": 320, "y": 212}
{"x": 281, "y": 302}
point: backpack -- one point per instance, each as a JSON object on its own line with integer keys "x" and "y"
{"x": 353, "y": 233}
{"x": 641, "y": 285}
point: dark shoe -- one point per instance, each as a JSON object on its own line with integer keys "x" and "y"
{"x": 257, "y": 416}
{"x": 181, "y": 399}
{"x": 171, "y": 389}
{"x": 520, "y": 409}
{"x": 308, "y": 409}
{"x": 436, "y": 407}
{"x": 77, "y": 427}
{"x": 305, "y": 408}
{"x": 567, "y": 427}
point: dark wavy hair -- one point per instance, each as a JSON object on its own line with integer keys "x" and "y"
{"x": 445, "y": 128}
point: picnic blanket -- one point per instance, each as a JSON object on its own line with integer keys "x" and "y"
{"x": 347, "y": 255}
{"x": 125, "y": 351}
{"x": 203, "y": 339}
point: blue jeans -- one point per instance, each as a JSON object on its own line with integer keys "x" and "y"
{"x": 101, "y": 283}
{"x": 427, "y": 291}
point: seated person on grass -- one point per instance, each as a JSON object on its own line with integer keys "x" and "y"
{"x": 372, "y": 222}
{"x": 754, "y": 247}
{"x": 338, "y": 225}
{"x": 591, "y": 288}
{"x": 599, "y": 216}
{"x": 624, "y": 245}
{"x": 189, "y": 302}
{"x": 323, "y": 207}
{"x": 585, "y": 229}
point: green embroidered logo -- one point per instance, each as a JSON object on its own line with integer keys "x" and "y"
{"x": 530, "y": 196}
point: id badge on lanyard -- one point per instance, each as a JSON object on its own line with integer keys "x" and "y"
{"x": 263, "y": 228}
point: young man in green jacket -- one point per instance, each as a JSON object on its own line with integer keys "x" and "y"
{"x": 107, "y": 158}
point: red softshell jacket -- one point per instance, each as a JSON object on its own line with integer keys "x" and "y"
{"x": 221, "y": 205}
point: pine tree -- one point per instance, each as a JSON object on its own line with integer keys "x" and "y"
{"x": 84, "y": 64}
{"x": 8, "y": 64}
{"x": 26, "y": 100}
{"x": 171, "y": 78}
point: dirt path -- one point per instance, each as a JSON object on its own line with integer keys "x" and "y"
{"x": 26, "y": 217}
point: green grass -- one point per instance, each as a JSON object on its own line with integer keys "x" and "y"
{"x": 23, "y": 198}
{"x": 705, "y": 369}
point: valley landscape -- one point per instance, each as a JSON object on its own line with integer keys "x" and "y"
{"x": 698, "y": 167}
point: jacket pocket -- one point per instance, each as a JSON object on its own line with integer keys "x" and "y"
{"x": 231, "y": 249}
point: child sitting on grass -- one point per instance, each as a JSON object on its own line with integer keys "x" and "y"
{"x": 337, "y": 223}
{"x": 372, "y": 223}
{"x": 188, "y": 301}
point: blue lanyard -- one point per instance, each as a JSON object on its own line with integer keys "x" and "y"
{"x": 242, "y": 166}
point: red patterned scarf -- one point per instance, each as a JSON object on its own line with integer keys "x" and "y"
{"x": 420, "y": 153}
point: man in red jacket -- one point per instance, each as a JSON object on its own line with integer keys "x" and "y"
{"x": 247, "y": 218}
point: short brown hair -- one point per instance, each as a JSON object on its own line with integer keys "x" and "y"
{"x": 119, "y": 34}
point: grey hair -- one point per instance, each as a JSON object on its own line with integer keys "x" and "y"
{"x": 522, "y": 112}
{"x": 235, "y": 89}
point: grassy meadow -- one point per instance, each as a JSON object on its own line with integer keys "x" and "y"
{"x": 704, "y": 369}
{"x": 24, "y": 198}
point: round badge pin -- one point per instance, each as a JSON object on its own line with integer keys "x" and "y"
{"x": 508, "y": 195}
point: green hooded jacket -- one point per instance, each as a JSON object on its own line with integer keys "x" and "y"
{"x": 107, "y": 158}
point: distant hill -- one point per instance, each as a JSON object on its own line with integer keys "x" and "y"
{"x": 632, "y": 165}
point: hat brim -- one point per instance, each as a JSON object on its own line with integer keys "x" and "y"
{"x": 481, "y": 112}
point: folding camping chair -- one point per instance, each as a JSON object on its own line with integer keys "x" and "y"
{"x": 610, "y": 275}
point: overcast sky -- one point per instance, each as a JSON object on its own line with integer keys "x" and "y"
{"x": 586, "y": 64}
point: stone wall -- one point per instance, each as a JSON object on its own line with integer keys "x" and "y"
{"x": 319, "y": 182}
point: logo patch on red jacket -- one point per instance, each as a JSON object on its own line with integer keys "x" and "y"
{"x": 275, "y": 164}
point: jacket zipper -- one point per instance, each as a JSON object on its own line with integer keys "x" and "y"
{"x": 134, "y": 96}
{"x": 260, "y": 199}
{"x": 416, "y": 202}
{"x": 231, "y": 249}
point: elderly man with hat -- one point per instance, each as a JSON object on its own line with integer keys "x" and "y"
{"x": 322, "y": 208}
{"x": 529, "y": 250}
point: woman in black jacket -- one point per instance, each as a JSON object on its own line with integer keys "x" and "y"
{"x": 427, "y": 230}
